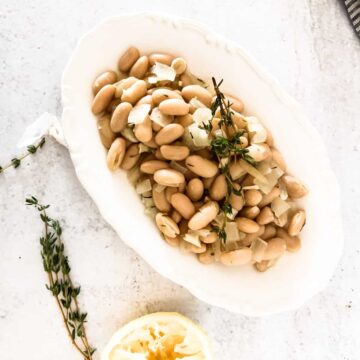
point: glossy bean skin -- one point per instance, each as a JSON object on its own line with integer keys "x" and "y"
{"x": 128, "y": 59}
{"x": 106, "y": 78}
{"x": 173, "y": 241}
{"x": 161, "y": 58}
{"x": 179, "y": 65}
{"x": 252, "y": 197}
{"x": 119, "y": 118}
{"x": 207, "y": 257}
{"x": 191, "y": 91}
{"x": 210, "y": 238}
{"x": 184, "y": 120}
{"x": 294, "y": 187}
{"x": 160, "y": 200}
{"x": 183, "y": 205}
{"x": 236, "y": 257}
{"x": 195, "y": 189}
{"x": 169, "y": 192}
{"x": 169, "y": 134}
{"x": 297, "y": 222}
{"x": 107, "y": 136}
{"x": 270, "y": 232}
{"x": 293, "y": 243}
{"x": 201, "y": 166}
{"x": 218, "y": 189}
{"x": 162, "y": 94}
{"x": 266, "y": 216}
{"x": 169, "y": 177}
{"x": 250, "y": 212}
{"x": 116, "y": 154}
{"x": 124, "y": 85}
{"x": 276, "y": 248}
{"x": 174, "y": 107}
{"x": 176, "y": 216}
{"x": 151, "y": 166}
{"x": 131, "y": 157}
{"x": 135, "y": 92}
{"x": 204, "y": 216}
{"x": 235, "y": 200}
{"x": 102, "y": 99}
{"x": 140, "y": 67}
{"x": 246, "y": 225}
{"x": 143, "y": 131}
{"x": 174, "y": 152}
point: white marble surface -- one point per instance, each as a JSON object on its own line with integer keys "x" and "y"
{"x": 308, "y": 45}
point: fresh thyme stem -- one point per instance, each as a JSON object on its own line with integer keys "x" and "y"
{"x": 60, "y": 284}
{"x": 226, "y": 146}
{"x": 16, "y": 161}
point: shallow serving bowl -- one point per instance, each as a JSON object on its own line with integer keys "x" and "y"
{"x": 296, "y": 277}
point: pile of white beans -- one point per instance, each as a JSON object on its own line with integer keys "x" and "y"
{"x": 181, "y": 185}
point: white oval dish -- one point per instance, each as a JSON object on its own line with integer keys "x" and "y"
{"x": 296, "y": 277}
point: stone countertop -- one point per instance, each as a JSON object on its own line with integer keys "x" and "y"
{"x": 308, "y": 45}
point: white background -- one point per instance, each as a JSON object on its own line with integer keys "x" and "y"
{"x": 308, "y": 45}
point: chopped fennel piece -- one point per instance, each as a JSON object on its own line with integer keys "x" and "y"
{"x": 271, "y": 180}
{"x": 133, "y": 175}
{"x": 232, "y": 232}
{"x": 163, "y": 72}
{"x": 196, "y": 138}
{"x": 258, "y": 248}
{"x": 202, "y": 116}
{"x": 139, "y": 113}
{"x": 151, "y": 212}
{"x": 128, "y": 134}
{"x": 144, "y": 149}
{"x": 258, "y": 131}
{"x": 159, "y": 188}
{"x": 176, "y": 166}
{"x": 233, "y": 214}
{"x": 253, "y": 171}
{"x": 147, "y": 194}
{"x": 197, "y": 81}
{"x": 159, "y": 118}
{"x": 192, "y": 237}
{"x": 143, "y": 186}
{"x": 279, "y": 206}
{"x": 223, "y": 162}
{"x": 148, "y": 202}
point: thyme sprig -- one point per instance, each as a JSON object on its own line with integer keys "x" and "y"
{"x": 225, "y": 148}
{"x": 16, "y": 161}
{"x": 56, "y": 265}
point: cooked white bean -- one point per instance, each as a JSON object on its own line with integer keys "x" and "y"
{"x": 160, "y": 200}
{"x": 200, "y": 166}
{"x": 174, "y": 107}
{"x": 131, "y": 157}
{"x": 250, "y": 212}
{"x": 143, "y": 131}
{"x": 161, "y": 58}
{"x": 219, "y": 188}
{"x": 293, "y": 243}
{"x": 266, "y": 216}
{"x": 246, "y": 225}
{"x": 107, "y": 136}
{"x": 195, "y": 189}
{"x": 135, "y": 92}
{"x": 204, "y": 216}
{"x": 236, "y": 257}
{"x": 276, "y": 248}
{"x": 196, "y": 91}
{"x": 294, "y": 187}
{"x": 151, "y": 166}
{"x": 140, "y": 67}
{"x": 116, "y": 153}
{"x": 297, "y": 222}
{"x": 167, "y": 225}
{"x": 162, "y": 94}
{"x": 102, "y": 99}
{"x": 179, "y": 65}
{"x": 119, "y": 118}
{"x": 128, "y": 59}
{"x": 106, "y": 78}
{"x": 268, "y": 198}
{"x": 183, "y": 205}
{"x": 169, "y": 177}
{"x": 169, "y": 133}
{"x": 174, "y": 152}
{"x": 252, "y": 197}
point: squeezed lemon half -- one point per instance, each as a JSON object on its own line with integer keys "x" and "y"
{"x": 159, "y": 336}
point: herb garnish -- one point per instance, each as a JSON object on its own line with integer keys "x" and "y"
{"x": 16, "y": 162}
{"x": 226, "y": 147}
{"x": 56, "y": 265}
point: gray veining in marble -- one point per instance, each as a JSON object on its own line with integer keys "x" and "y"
{"x": 308, "y": 45}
